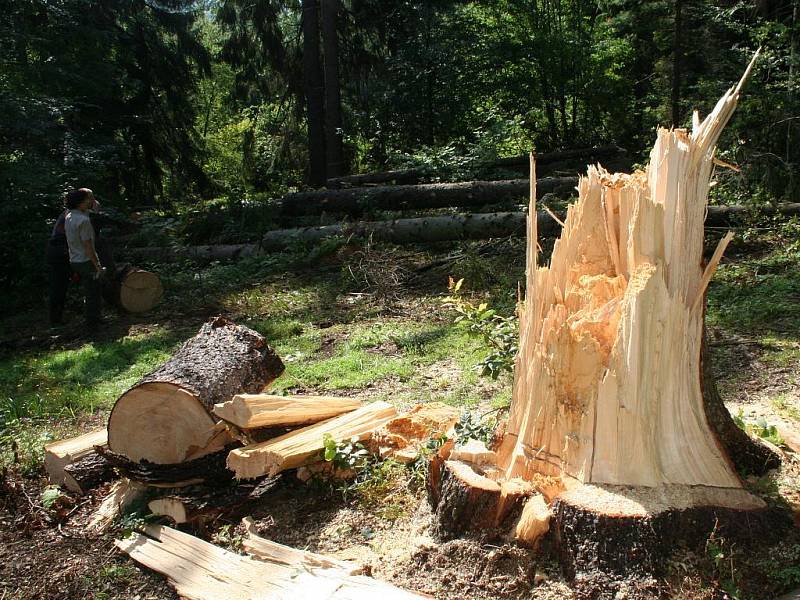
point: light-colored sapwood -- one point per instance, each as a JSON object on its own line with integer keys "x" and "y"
{"x": 607, "y": 384}
{"x": 58, "y": 455}
{"x": 201, "y": 571}
{"x": 249, "y": 411}
{"x": 120, "y": 496}
{"x": 140, "y": 291}
{"x": 302, "y": 445}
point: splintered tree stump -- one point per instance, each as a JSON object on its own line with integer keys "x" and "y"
{"x": 167, "y": 416}
{"x": 613, "y": 395}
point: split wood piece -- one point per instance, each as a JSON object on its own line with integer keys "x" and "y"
{"x": 121, "y": 495}
{"x": 201, "y": 505}
{"x": 201, "y": 571}
{"x": 269, "y": 551}
{"x": 250, "y": 411}
{"x": 87, "y": 473}
{"x": 403, "y": 437}
{"x": 607, "y": 385}
{"x": 302, "y": 445}
{"x": 357, "y": 201}
{"x": 474, "y": 452}
{"x": 534, "y": 521}
{"x": 208, "y": 468}
{"x": 467, "y": 500}
{"x": 601, "y": 528}
{"x": 57, "y": 455}
{"x": 166, "y": 417}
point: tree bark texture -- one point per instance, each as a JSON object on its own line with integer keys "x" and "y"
{"x": 315, "y": 91}
{"x": 222, "y": 360}
{"x": 88, "y": 473}
{"x": 333, "y": 104}
{"x": 357, "y": 201}
{"x": 209, "y": 468}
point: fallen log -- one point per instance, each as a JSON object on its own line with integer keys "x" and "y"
{"x": 249, "y": 411}
{"x": 200, "y": 505}
{"x": 201, "y": 571}
{"x": 575, "y": 158}
{"x": 166, "y": 417}
{"x": 133, "y": 289}
{"x": 440, "y": 228}
{"x": 357, "y": 201}
{"x": 58, "y": 456}
{"x": 302, "y": 445}
{"x": 608, "y": 393}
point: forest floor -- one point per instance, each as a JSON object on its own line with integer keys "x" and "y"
{"x": 370, "y": 322}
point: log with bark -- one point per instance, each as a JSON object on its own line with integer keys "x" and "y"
{"x": 75, "y": 463}
{"x": 608, "y": 393}
{"x": 440, "y": 228}
{"x": 167, "y": 418}
{"x": 357, "y": 201}
{"x": 573, "y": 159}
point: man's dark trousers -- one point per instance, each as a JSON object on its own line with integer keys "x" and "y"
{"x": 91, "y": 291}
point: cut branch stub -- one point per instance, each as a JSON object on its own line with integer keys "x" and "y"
{"x": 166, "y": 417}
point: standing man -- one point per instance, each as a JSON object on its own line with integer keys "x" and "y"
{"x": 82, "y": 254}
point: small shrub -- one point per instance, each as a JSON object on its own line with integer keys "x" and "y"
{"x": 498, "y": 332}
{"x": 472, "y": 427}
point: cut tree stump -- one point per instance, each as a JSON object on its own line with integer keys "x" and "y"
{"x": 250, "y": 411}
{"x": 166, "y": 417}
{"x": 303, "y": 445}
{"x": 201, "y": 571}
{"x": 611, "y": 398}
{"x": 63, "y": 453}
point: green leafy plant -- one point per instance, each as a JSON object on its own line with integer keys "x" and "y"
{"x": 721, "y": 555}
{"x": 760, "y": 428}
{"x": 497, "y": 331}
{"x": 472, "y": 427}
{"x": 351, "y": 454}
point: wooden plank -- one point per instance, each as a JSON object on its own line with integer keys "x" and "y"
{"x": 250, "y": 411}
{"x": 58, "y": 455}
{"x": 296, "y": 448}
{"x": 201, "y": 571}
{"x": 121, "y": 495}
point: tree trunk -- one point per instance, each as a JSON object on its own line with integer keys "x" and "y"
{"x": 87, "y": 473}
{"x": 166, "y": 417}
{"x": 132, "y": 289}
{"x": 411, "y": 197}
{"x": 315, "y": 102}
{"x": 441, "y": 228}
{"x": 333, "y": 104}
{"x": 608, "y": 395}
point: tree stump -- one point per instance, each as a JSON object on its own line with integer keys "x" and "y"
{"x": 166, "y": 417}
{"x": 610, "y": 394}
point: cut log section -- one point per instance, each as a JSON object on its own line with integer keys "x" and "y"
{"x": 200, "y": 505}
{"x": 201, "y": 571}
{"x": 139, "y": 290}
{"x": 166, "y": 417}
{"x": 58, "y": 455}
{"x": 302, "y": 445}
{"x": 250, "y": 411}
{"x": 403, "y": 437}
